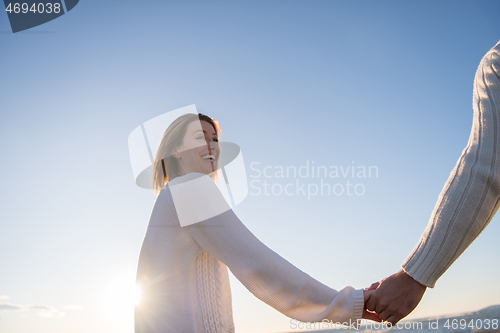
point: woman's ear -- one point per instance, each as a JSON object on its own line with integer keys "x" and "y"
{"x": 176, "y": 154}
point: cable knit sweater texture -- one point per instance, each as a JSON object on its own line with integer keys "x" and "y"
{"x": 183, "y": 273}
{"x": 470, "y": 197}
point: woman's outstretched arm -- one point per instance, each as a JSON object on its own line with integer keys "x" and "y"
{"x": 203, "y": 212}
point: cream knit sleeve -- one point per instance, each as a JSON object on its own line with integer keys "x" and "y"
{"x": 214, "y": 226}
{"x": 470, "y": 197}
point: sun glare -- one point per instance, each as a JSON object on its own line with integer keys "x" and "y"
{"x": 136, "y": 294}
{"x": 120, "y": 295}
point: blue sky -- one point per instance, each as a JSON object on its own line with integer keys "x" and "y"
{"x": 385, "y": 84}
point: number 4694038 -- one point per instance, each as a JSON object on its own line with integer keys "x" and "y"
{"x": 35, "y": 8}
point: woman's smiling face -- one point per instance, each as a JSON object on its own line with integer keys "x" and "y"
{"x": 199, "y": 151}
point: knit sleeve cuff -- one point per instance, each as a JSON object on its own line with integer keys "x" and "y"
{"x": 419, "y": 275}
{"x": 359, "y": 304}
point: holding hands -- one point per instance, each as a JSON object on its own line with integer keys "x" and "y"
{"x": 393, "y": 298}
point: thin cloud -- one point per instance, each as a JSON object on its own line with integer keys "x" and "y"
{"x": 51, "y": 314}
{"x": 41, "y": 307}
{"x": 44, "y": 311}
{"x": 73, "y": 307}
{"x": 47, "y": 311}
{"x": 4, "y": 297}
{"x": 11, "y": 307}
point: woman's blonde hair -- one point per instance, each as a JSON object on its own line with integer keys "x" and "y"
{"x": 165, "y": 166}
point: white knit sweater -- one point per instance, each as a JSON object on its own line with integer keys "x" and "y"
{"x": 471, "y": 195}
{"x": 183, "y": 273}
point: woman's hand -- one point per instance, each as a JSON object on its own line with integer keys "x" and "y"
{"x": 368, "y": 314}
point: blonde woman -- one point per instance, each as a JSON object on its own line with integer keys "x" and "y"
{"x": 192, "y": 238}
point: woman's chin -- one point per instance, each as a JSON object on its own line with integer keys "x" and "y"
{"x": 213, "y": 175}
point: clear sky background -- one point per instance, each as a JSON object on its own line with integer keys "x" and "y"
{"x": 340, "y": 83}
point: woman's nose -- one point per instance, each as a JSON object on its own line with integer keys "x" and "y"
{"x": 213, "y": 144}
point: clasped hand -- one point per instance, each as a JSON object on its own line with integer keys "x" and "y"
{"x": 393, "y": 298}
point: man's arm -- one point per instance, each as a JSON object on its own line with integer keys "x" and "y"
{"x": 467, "y": 203}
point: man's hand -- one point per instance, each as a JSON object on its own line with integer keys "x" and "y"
{"x": 395, "y": 297}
